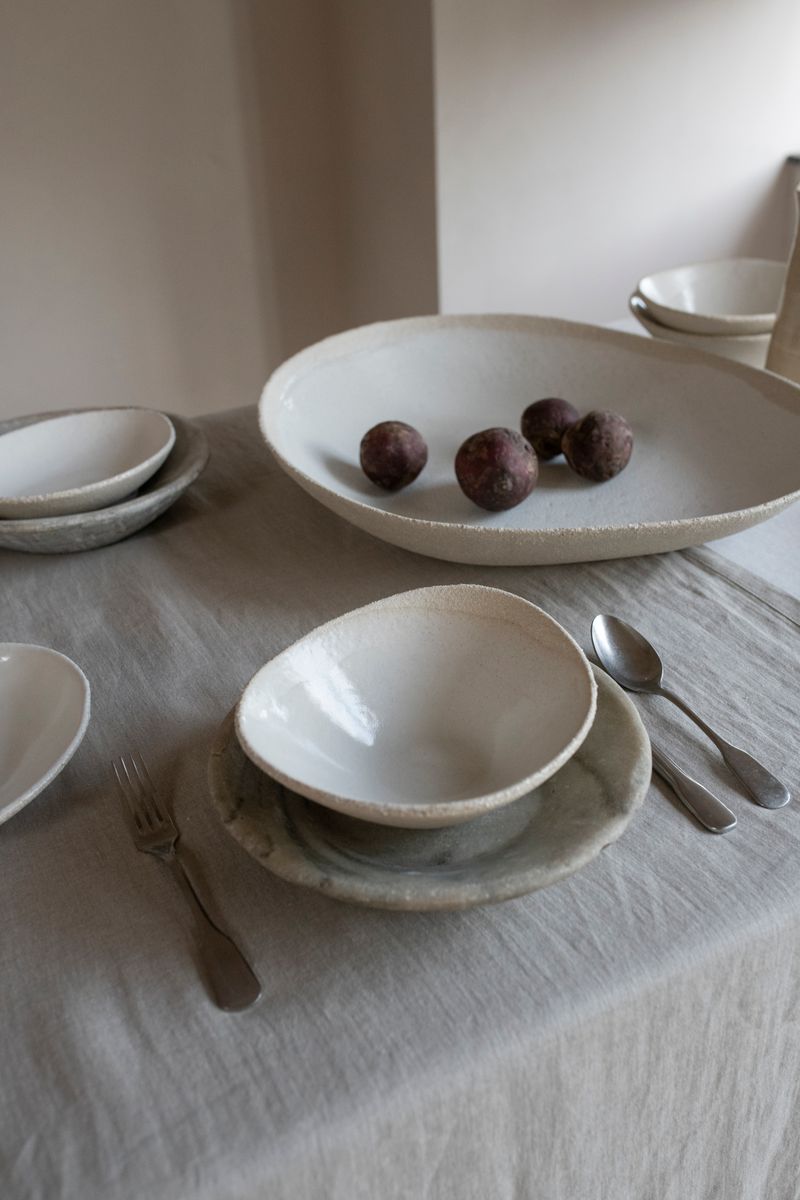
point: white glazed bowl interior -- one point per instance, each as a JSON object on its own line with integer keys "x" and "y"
{"x": 751, "y": 349}
{"x": 81, "y": 461}
{"x": 424, "y": 709}
{"x": 44, "y": 711}
{"x": 731, "y": 296}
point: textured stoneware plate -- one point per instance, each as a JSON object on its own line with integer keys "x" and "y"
{"x": 80, "y": 461}
{"x": 528, "y": 844}
{"x": 88, "y": 531}
{"x": 423, "y": 709}
{"x": 715, "y": 441}
{"x": 44, "y": 711}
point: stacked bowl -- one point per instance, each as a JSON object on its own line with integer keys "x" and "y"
{"x": 727, "y": 307}
{"x": 79, "y": 480}
{"x": 439, "y": 748}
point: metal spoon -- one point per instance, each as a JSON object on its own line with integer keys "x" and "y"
{"x": 633, "y": 662}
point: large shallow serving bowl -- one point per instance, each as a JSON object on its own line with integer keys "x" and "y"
{"x": 424, "y": 709}
{"x": 528, "y": 844}
{"x": 749, "y": 348}
{"x": 698, "y": 470}
{"x": 728, "y": 296}
{"x": 80, "y": 461}
{"x": 88, "y": 531}
{"x": 44, "y": 711}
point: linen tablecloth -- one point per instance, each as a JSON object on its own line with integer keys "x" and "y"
{"x": 633, "y": 1032}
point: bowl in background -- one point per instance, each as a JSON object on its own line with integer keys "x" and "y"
{"x": 744, "y": 348}
{"x": 731, "y": 296}
{"x": 421, "y": 710}
{"x": 80, "y": 461}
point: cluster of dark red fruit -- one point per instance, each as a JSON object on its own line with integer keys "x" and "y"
{"x": 498, "y": 468}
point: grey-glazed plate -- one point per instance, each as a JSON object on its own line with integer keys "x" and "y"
{"x": 528, "y": 844}
{"x": 90, "y": 530}
{"x": 715, "y": 442}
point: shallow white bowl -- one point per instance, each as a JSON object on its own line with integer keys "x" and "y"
{"x": 81, "y": 461}
{"x": 44, "y": 711}
{"x": 696, "y": 472}
{"x": 749, "y": 348}
{"x": 729, "y": 296}
{"x": 421, "y": 710}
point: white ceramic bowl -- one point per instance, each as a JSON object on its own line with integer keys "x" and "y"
{"x": 421, "y": 710}
{"x": 695, "y": 473}
{"x": 81, "y": 461}
{"x": 745, "y": 348}
{"x": 44, "y": 711}
{"x": 729, "y": 296}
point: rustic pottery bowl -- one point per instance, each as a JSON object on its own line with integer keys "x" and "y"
{"x": 422, "y": 710}
{"x": 80, "y": 461}
{"x": 44, "y": 711}
{"x": 750, "y": 348}
{"x": 728, "y": 297}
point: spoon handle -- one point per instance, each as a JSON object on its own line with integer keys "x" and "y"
{"x": 705, "y": 806}
{"x": 762, "y": 785}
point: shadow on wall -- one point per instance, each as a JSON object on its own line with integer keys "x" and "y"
{"x": 338, "y": 95}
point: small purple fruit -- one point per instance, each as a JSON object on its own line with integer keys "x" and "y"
{"x": 598, "y": 446}
{"x": 496, "y": 468}
{"x": 544, "y": 423}
{"x": 393, "y": 454}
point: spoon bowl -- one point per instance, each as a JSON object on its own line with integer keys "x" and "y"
{"x": 626, "y": 655}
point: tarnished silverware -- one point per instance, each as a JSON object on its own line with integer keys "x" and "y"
{"x": 634, "y": 663}
{"x": 233, "y": 983}
{"x": 701, "y": 803}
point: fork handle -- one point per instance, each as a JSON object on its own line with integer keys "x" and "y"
{"x": 234, "y": 985}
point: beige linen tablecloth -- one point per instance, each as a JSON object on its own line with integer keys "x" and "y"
{"x": 633, "y": 1032}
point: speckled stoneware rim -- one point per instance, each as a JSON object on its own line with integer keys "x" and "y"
{"x": 591, "y": 800}
{"x": 495, "y": 603}
{"x": 14, "y": 806}
{"x": 136, "y": 475}
{"x": 501, "y": 545}
{"x": 76, "y": 532}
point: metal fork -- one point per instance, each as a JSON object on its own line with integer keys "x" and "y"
{"x": 233, "y": 983}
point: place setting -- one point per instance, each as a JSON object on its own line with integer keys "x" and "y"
{"x": 87, "y": 478}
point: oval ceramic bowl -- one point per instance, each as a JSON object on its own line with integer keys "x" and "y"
{"x": 747, "y": 348}
{"x": 81, "y": 461}
{"x": 696, "y": 473}
{"x": 424, "y": 709}
{"x": 44, "y": 711}
{"x": 528, "y": 844}
{"x": 729, "y": 296}
{"x": 88, "y": 531}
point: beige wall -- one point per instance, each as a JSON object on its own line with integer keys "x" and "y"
{"x": 583, "y": 143}
{"x": 193, "y": 189}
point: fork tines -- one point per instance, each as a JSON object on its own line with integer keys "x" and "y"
{"x": 136, "y": 785}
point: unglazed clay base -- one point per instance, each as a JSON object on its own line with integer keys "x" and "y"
{"x": 528, "y": 844}
{"x": 714, "y": 441}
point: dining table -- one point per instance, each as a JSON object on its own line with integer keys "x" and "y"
{"x": 630, "y": 1032}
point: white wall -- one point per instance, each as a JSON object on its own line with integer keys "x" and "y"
{"x": 191, "y": 190}
{"x": 584, "y": 143}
